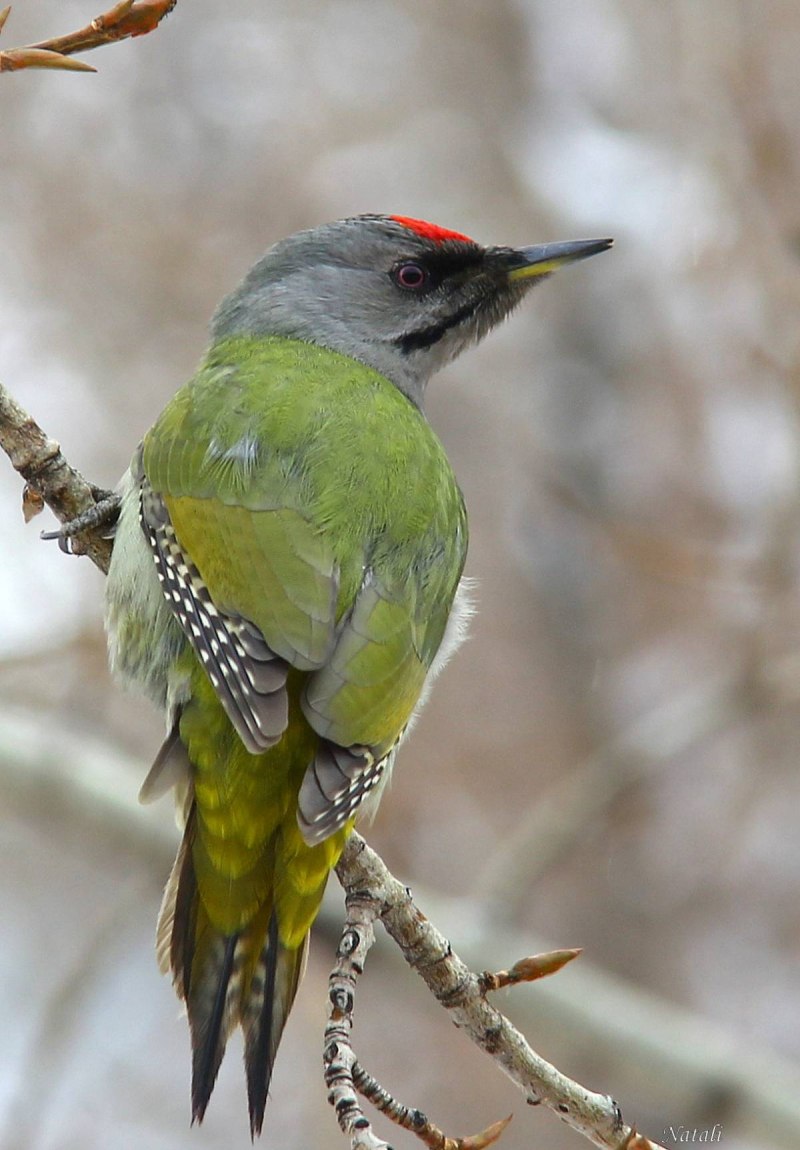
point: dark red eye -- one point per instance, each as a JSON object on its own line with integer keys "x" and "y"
{"x": 410, "y": 276}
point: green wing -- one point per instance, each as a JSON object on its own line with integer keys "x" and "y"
{"x": 303, "y": 514}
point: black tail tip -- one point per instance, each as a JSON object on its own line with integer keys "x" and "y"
{"x": 257, "y": 1104}
{"x": 257, "y": 1095}
{"x": 199, "y": 1107}
{"x": 256, "y": 1121}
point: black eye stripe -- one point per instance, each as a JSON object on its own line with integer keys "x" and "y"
{"x": 447, "y": 259}
{"x": 452, "y": 259}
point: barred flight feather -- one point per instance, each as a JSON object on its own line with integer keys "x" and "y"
{"x": 334, "y": 786}
{"x": 248, "y": 677}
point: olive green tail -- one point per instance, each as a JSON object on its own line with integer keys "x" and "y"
{"x": 246, "y": 979}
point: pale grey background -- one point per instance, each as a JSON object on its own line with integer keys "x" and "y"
{"x": 628, "y": 446}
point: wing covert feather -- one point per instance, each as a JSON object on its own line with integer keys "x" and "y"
{"x": 337, "y": 547}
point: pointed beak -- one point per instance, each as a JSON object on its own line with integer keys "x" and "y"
{"x": 544, "y": 259}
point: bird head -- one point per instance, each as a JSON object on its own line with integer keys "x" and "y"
{"x": 399, "y": 294}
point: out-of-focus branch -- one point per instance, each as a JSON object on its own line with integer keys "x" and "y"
{"x": 362, "y": 873}
{"x": 49, "y": 479}
{"x": 560, "y": 816}
{"x": 126, "y": 19}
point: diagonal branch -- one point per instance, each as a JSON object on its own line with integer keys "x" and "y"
{"x": 49, "y": 479}
{"x": 344, "y": 1075}
{"x": 338, "y": 1058}
{"x": 596, "y": 1116}
{"x": 126, "y": 19}
{"x": 414, "y": 1120}
{"x": 675, "y": 1056}
{"x": 372, "y": 892}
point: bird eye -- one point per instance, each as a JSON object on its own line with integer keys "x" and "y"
{"x": 410, "y": 276}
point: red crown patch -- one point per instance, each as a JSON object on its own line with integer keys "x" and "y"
{"x": 430, "y": 231}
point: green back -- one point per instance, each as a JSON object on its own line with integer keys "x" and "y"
{"x": 290, "y": 472}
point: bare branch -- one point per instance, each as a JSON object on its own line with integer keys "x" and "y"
{"x": 49, "y": 766}
{"x": 678, "y": 1055}
{"x": 126, "y": 19}
{"x": 344, "y": 1075}
{"x": 417, "y": 1122}
{"x": 338, "y": 1057}
{"x": 372, "y": 892}
{"x": 426, "y": 950}
{"x": 49, "y": 478}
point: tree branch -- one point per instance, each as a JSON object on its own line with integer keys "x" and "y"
{"x": 364, "y": 875}
{"x": 372, "y": 892}
{"x": 683, "y": 1058}
{"x": 126, "y": 19}
{"x": 338, "y": 1057}
{"x": 344, "y": 1075}
{"x": 50, "y": 480}
{"x": 414, "y": 1120}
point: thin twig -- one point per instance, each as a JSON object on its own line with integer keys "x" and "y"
{"x": 126, "y": 19}
{"x": 417, "y": 1122}
{"x": 344, "y": 1075}
{"x": 427, "y": 951}
{"x": 49, "y": 477}
{"x": 338, "y": 1057}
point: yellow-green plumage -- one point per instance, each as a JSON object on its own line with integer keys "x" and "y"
{"x": 248, "y": 862}
{"x": 284, "y": 583}
{"x": 301, "y": 491}
{"x": 248, "y": 849}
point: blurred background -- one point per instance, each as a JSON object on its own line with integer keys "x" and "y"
{"x": 611, "y": 762}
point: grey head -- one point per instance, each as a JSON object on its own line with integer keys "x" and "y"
{"x": 399, "y": 294}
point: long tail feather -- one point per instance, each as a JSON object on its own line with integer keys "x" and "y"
{"x": 205, "y": 970}
{"x": 258, "y": 1055}
{"x": 175, "y": 931}
{"x": 248, "y": 978}
{"x": 270, "y": 996}
{"x": 210, "y": 1020}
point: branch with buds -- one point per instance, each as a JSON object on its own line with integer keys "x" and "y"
{"x": 344, "y": 1074}
{"x": 126, "y": 19}
{"x": 372, "y": 893}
